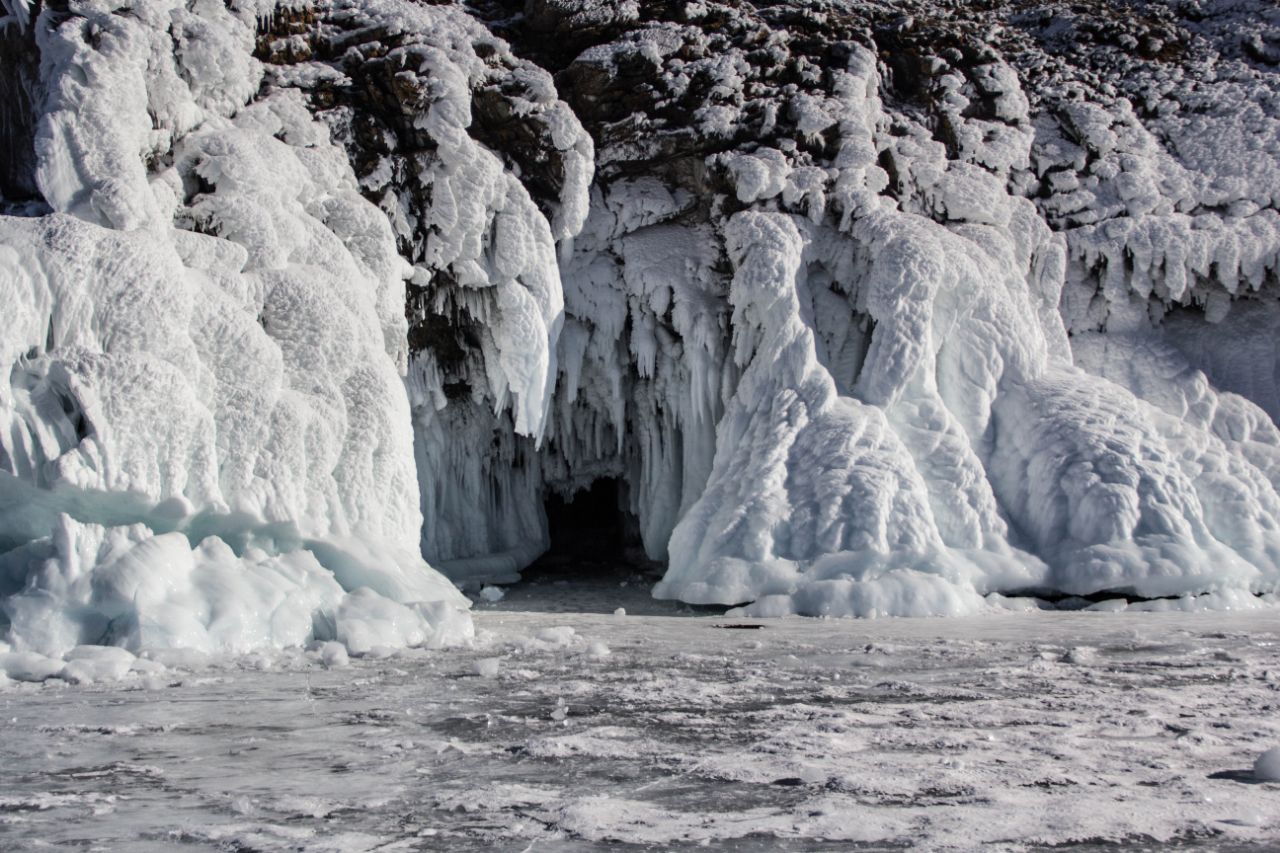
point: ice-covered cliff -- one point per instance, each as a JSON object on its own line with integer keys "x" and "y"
{"x": 205, "y": 439}
{"x": 871, "y": 308}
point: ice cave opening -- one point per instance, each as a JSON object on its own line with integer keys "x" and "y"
{"x": 595, "y": 561}
{"x": 591, "y": 526}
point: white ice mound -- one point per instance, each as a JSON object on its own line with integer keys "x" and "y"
{"x": 911, "y": 427}
{"x": 205, "y": 438}
{"x": 815, "y": 503}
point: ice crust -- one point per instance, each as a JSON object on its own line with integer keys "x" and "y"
{"x": 867, "y": 362}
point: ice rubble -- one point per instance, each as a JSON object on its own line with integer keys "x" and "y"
{"x": 1267, "y": 766}
{"x": 205, "y": 439}
{"x": 860, "y": 337}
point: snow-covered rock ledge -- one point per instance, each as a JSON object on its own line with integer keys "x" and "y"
{"x": 869, "y": 313}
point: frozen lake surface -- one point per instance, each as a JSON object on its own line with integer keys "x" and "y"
{"x": 668, "y": 730}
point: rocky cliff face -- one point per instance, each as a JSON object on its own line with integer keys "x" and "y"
{"x": 871, "y": 308}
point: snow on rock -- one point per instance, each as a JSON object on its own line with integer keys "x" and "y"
{"x": 483, "y": 173}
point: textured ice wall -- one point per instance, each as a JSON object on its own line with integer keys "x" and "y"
{"x": 205, "y": 439}
{"x": 483, "y": 172}
{"x": 859, "y": 394}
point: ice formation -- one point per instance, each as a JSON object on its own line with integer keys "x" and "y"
{"x": 205, "y": 439}
{"x": 871, "y": 311}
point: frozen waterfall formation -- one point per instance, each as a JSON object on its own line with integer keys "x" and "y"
{"x": 871, "y": 308}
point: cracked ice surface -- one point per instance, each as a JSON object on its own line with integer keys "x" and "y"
{"x": 1015, "y": 732}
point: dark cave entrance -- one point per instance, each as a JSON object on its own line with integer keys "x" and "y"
{"x": 591, "y": 526}
{"x": 595, "y": 561}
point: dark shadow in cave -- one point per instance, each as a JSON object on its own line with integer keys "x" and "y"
{"x": 592, "y": 526}
{"x": 595, "y": 563}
